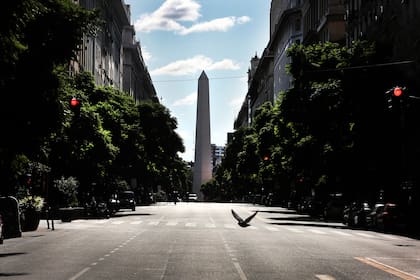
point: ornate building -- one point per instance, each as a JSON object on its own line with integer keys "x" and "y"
{"x": 114, "y": 56}
{"x": 291, "y": 21}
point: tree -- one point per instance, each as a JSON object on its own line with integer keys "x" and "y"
{"x": 35, "y": 38}
{"x": 161, "y": 145}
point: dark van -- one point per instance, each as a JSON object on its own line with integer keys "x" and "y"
{"x": 127, "y": 200}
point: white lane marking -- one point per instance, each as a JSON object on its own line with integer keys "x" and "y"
{"x": 341, "y": 233}
{"x": 136, "y": 222}
{"x": 210, "y": 225}
{"x": 387, "y": 236}
{"x": 324, "y": 277}
{"x": 101, "y": 221}
{"x": 364, "y": 234}
{"x": 240, "y": 271}
{"x": 154, "y": 223}
{"x": 229, "y": 226}
{"x": 117, "y": 222}
{"x": 252, "y": 227}
{"x": 83, "y": 271}
{"x": 294, "y": 230}
{"x": 172, "y": 223}
{"x": 387, "y": 268}
{"x": 272, "y": 228}
{"x": 211, "y": 220}
{"x": 316, "y": 231}
{"x": 190, "y": 224}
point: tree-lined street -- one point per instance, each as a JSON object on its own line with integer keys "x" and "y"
{"x": 203, "y": 241}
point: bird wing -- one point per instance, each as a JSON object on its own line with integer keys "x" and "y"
{"x": 239, "y": 219}
{"x": 247, "y": 220}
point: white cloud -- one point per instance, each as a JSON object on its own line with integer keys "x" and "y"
{"x": 168, "y": 17}
{"x": 194, "y": 65}
{"x": 187, "y": 100}
{"x": 243, "y": 19}
{"x": 219, "y": 24}
{"x": 183, "y": 10}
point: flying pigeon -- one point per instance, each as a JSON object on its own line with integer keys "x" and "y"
{"x": 241, "y": 222}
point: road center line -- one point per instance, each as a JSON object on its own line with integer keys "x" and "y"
{"x": 389, "y": 269}
{"x": 324, "y": 277}
{"x": 240, "y": 271}
{"x": 86, "y": 269}
{"x": 83, "y": 271}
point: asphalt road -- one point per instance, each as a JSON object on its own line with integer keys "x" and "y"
{"x": 203, "y": 241}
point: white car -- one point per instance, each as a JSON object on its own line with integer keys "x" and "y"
{"x": 192, "y": 197}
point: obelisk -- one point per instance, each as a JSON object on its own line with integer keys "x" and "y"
{"x": 202, "y": 164}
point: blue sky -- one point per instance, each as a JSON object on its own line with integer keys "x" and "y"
{"x": 181, "y": 38}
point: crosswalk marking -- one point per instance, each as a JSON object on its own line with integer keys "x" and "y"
{"x": 387, "y": 236}
{"x": 324, "y": 277}
{"x": 272, "y": 228}
{"x": 294, "y": 230}
{"x": 232, "y": 226}
{"x": 316, "y": 231}
{"x": 341, "y": 233}
{"x": 364, "y": 234}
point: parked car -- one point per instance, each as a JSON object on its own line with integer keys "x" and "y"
{"x": 371, "y": 217}
{"x": 355, "y": 214}
{"x": 334, "y": 210}
{"x": 127, "y": 200}
{"x": 390, "y": 218}
{"x": 113, "y": 204}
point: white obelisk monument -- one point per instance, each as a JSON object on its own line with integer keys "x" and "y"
{"x": 202, "y": 163}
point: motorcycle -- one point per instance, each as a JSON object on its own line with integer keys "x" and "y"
{"x": 100, "y": 210}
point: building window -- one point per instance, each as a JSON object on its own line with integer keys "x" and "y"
{"x": 297, "y": 24}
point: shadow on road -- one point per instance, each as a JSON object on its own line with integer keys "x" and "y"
{"x": 12, "y": 274}
{"x": 3, "y": 255}
{"x": 128, "y": 214}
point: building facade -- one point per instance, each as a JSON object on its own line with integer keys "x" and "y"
{"x": 113, "y": 55}
{"x": 217, "y": 153}
{"x": 291, "y": 21}
{"x": 392, "y": 24}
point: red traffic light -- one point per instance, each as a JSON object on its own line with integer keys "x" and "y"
{"x": 398, "y": 92}
{"x": 74, "y": 102}
{"x": 266, "y": 157}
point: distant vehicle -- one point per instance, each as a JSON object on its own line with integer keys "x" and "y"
{"x": 127, "y": 200}
{"x": 334, "y": 210}
{"x": 192, "y": 197}
{"x": 356, "y": 214}
{"x": 371, "y": 217}
{"x": 390, "y": 218}
{"x": 113, "y": 204}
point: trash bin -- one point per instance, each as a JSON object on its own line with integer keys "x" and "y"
{"x": 9, "y": 210}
